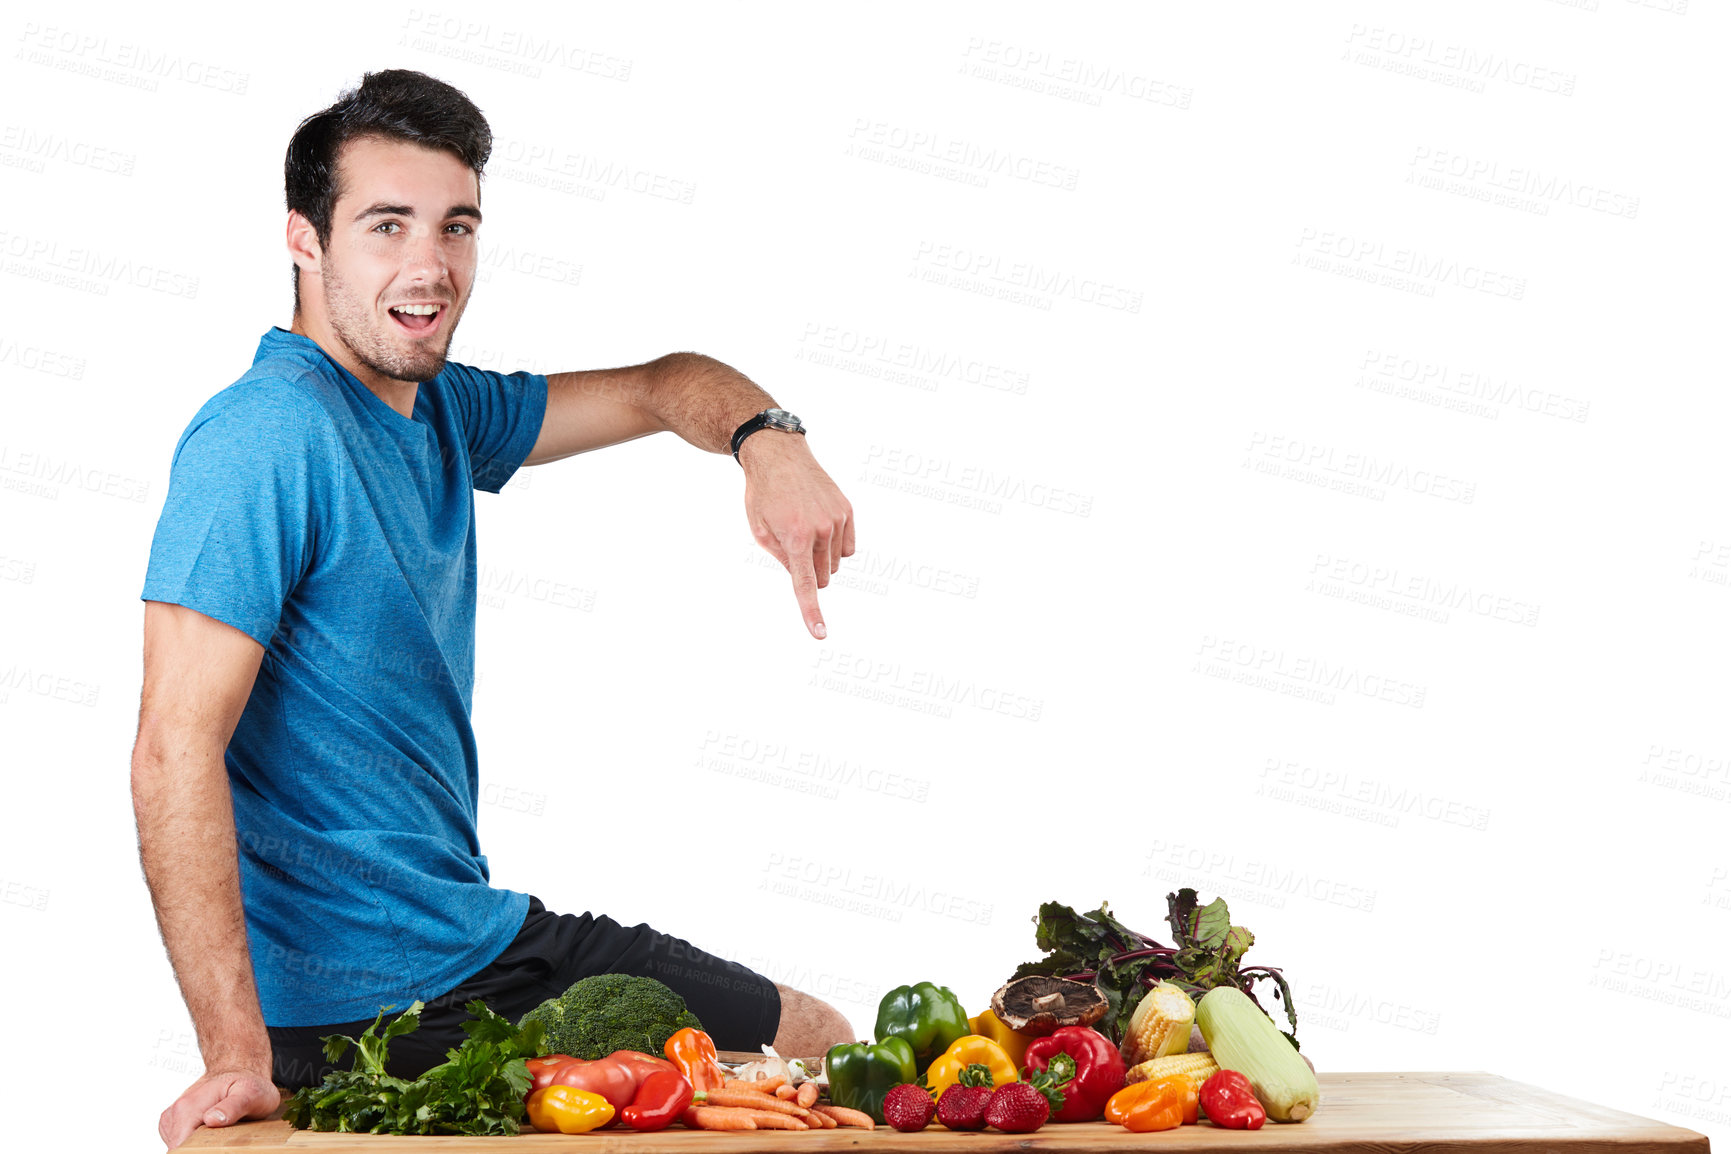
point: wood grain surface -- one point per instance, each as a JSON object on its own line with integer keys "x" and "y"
{"x": 1377, "y": 1113}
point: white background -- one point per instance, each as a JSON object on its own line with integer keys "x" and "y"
{"x": 1282, "y": 439}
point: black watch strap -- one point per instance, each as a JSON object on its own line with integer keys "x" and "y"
{"x": 768, "y": 419}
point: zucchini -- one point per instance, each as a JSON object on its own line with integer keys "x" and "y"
{"x": 1241, "y": 1037}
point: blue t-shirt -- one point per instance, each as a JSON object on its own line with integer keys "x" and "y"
{"x": 340, "y": 535}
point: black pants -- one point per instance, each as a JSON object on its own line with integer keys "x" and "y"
{"x": 739, "y": 1008}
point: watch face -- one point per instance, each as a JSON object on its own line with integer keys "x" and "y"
{"x": 781, "y": 419}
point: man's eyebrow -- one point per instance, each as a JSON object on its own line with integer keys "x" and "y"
{"x": 383, "y": 209}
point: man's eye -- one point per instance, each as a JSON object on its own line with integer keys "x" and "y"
{"x": 389, "y": 224}
{"x": 461, "y": 229}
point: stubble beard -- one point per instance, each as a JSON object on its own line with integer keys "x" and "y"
{"x": 359, "y": 330}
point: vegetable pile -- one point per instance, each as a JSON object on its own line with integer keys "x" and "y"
{"x": 1110, "y": 1024}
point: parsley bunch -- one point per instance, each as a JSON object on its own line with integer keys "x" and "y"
{"x": 478, "y": 1090}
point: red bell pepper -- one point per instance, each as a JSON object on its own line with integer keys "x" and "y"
{"x": 1099, "y": 1070}
{"x": 620, "y": 1078}
{"x": 661, "y": 1098}
{"x": 1229, "y": 1100}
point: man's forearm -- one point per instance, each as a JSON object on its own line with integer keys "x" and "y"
{"x": 186, "y": 844}
{"x": 700, "y": 398}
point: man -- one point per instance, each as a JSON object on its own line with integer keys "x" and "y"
{"x": 305, "y": 771}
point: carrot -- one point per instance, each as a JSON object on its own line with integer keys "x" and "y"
{"x": 786, "y": 1093}
{"x": 807, "y": 1095}
{"x": 750, "y": 1101}
{"x": 765, "y": 1121}
{"x": 767, "y": 1085}
{"x": 846, "y": 1117}
{"x": 814, "y": 1119}
{"x": 717, "y": 1118}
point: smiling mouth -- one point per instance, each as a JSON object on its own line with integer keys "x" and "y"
{"x": 418, "y": 319}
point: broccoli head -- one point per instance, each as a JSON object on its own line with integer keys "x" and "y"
{"x": 608, "y": 1012}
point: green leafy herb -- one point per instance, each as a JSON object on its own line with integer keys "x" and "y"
{"x": 1123, "y": 964}
{"x": 478, "y": 1089}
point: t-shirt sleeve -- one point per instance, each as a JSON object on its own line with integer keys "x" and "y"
{"x": 502, "y": 417}
{"x": 247, "y": 493}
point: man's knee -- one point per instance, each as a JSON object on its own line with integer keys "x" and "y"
{"x": 809, "y": 1026}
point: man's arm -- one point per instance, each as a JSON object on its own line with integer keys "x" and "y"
{"x": 198, "y": 674}
{"x": 795, "y": 510}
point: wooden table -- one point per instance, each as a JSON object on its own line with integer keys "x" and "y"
{"x": 1360, "y": 1114}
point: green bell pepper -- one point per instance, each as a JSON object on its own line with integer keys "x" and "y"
{"x": 928, "y": 1016}
{"x": 860, "y": 1074}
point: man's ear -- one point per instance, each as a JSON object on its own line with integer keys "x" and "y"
{"x": 303, "y": 244}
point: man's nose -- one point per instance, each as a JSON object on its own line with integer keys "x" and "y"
{"x": 425, "y": 259}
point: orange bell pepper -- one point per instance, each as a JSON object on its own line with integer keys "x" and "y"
{"x": 989, "y": 1025}
{"x": 1162, "y": 1105}
{"x": 568, "y": 1110}
{"x": 694, "y": 1053}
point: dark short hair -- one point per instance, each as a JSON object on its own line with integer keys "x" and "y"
{"x": 397, "y": 104}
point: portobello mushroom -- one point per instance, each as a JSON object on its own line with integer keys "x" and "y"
{"x": 1039, "y": 1004}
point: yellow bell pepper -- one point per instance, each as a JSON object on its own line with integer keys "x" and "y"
{"x": 967, "y": 1051}
{"x": 568, "y": 1110}
{"x": 988, "y": 1025}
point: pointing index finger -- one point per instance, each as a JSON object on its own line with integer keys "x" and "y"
{"x": 800, "y": 568}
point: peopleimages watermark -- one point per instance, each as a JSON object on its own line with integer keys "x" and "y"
{"x": 930, "y": 152}
{"x": 1512, "y": 186}
{"x": 35, "y": 149}
{"x": 1711, "y": 562}
{"x": 16, "y": 893}
{"x": 46, "y": 260}
{"x": 1364, "y": 798}
{"x": 550, "y": 164}
{"x": 957, "y": 483}
{"x": 39, "y": 359}
{"x": 1016, "y": 282}
{"x": 1065, "y": 77}
{"x": 1452, "y": 65}
{"x": 526, "y": 51}
{"x": 873, "y": 894}
{"x": 34, "y": 681}
{"x": 902, "y": 362}
{"x": 918, "y": 689}
{"x": 1400, "y": 267}
{"x": 1299, "y": 675}
{"x": 1263, "y": 882}
{"x": 1687, "y": 771}
{"x": 777, "y": 763}
{"x": 1668, "y": 981}
{"x": 100, "y": 57}
{"x": 1471, "y": 391}
{"x": 493, "y": 586}
{"x": 17, "y": 569}
{"x": 1346, "y": 471}
{"x": 1412, "y": 594}
{"x": 1336, "y": 1008}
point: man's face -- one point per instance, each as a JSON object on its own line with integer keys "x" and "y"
{"x": 402, "y": 238}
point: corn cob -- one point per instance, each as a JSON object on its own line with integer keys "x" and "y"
{"x": 1196, "y": 1067}
{"x": 1241, "y": 1037}
{"x": 1159, "y": 1025}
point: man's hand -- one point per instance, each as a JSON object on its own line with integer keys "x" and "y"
{"x": 218, "y": 1099}
{"x": 798, "y": 514}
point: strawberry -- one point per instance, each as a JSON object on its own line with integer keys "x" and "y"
{"x": 964, "y": 1107}
{"x": 1017, "y": 1108}
{"x": 908, "y": 1107}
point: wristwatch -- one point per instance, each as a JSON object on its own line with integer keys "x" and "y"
{"x": 768, "y": 419}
